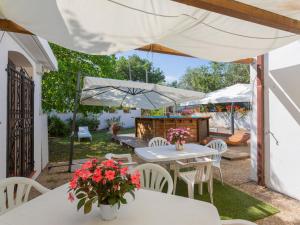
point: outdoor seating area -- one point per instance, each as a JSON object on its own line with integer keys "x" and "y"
{"x": 160, "y": 112}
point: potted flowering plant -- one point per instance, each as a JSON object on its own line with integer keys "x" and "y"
{"x": 178, "y": 136}
{"x": 103, "y": 184}
{"x": 187, "y": 112}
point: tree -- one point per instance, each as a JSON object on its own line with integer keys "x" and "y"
{"x": 59, "y": 87}
{"x": 214, "y": 76}
{"x": 138, "y": 67}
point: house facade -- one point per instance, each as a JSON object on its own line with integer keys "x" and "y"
{"x": 23, "y": 126}
{"x": 281, "y": 120}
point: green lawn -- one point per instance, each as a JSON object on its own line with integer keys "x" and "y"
{"x": 230, "y": 202}
{"x": 59, "y": 147}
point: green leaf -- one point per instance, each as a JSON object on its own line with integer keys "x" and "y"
{"x": 80, "y": 203}
{"x": 88, "y": 206}
{"x": 81, "y": 195}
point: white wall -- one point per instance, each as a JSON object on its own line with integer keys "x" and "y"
{"x": 282, "y": 123}
{"x": 128, "y": 119}
{"x": 223, "y": 119}
{"x": 9, "y": 43}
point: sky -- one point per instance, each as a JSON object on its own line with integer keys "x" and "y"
{"x": 172, "y": 66}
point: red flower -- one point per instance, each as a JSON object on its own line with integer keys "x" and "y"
{"x": 73, "y": 182}
{"x": 85, "y": 174}
{"x": 110, "y": 175}
{"x": 70, "y": 197}
{"x": 135, "y": 179}
{"x": 123, "y": 171}
{"x": 97, "y": 177}
{"x": 94, "y": 161}
{"x": 108, "y": 163}
{"x": 87, "y": 165}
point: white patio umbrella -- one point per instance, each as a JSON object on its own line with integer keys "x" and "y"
{"x": 110, "y": 92}
{"x": 232, "y": 94}
{"x": 235, "y": 93}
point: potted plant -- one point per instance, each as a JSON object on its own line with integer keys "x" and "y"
{"x": 103, "y": 184}
{"x": 187, "y": 112}
{"x": 178, "y": 136}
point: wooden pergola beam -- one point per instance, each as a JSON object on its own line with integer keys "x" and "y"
{"x": 246, "y": 12}
{"x": 10, "y": 26}
{"x": 162, "y": 49}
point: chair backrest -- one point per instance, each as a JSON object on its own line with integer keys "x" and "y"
{"x": 203, "y": 169}
{"x": 157, "y": 141}
{"x": 83, "y": 129}
{"x": 218, "y": 145}
{"x": 155, "y": 177}
{"x": 14, "y": 191}
{"x": 120, "y": 157}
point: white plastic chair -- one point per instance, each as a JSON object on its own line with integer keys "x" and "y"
{"x": 155, "y": 177}
{"x": 202, "y": 172}
{"x": 237, "y": 222}
{"x": 157, "y": 141}
{"x": 125, "y": 158}
{"x": 221, "y": 147}
{"x": 83, "y": 132}
{"x": 14, "y": 192}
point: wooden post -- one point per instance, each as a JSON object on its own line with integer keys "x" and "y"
{"x": 260, "y": 122}
{"x": 232, "y": 117}
{"x": 74, "y": 122}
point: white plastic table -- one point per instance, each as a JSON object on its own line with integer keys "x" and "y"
{"x": 149, "y": 208}
{"x": 169, "y": 153}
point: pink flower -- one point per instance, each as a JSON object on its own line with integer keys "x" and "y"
{"x": 110, "y": 175}
{"x": 70, "y": 197}
{"x": 123, "y": 171}
{"x": 85, "y": 174}
{"x": 108, "y": 163}
{"x": 87, "y": 165}
{"x": 97, "y": 176}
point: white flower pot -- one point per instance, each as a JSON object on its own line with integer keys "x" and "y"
{"x": 109, "y": 212}
{"x": 179, "y": 147}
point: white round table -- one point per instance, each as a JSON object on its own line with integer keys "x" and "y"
{"x": 149, "y": 208}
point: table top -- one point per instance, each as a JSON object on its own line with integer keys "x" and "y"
{"x": 169, "y": 153}
{"x": 148, "y": 208}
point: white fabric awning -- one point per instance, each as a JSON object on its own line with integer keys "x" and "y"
{"x": 110, "y": 92}
{"x": 111, "y": 26}
{"x": 234, "y": 93}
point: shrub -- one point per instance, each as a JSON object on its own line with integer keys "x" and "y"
{"x": 57, "y": 127}
{"x": 91, "y": 121}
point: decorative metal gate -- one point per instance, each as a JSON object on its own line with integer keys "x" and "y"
{"x": 20, "y": 121}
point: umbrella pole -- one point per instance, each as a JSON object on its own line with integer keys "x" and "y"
{"x": 74, "y": 122}
{"x": 232, "y": 118}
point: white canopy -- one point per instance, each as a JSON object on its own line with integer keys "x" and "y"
{"x": 111, "y": 26}
{"x": 110, "y": 92}
{"x": 234, "y": 93}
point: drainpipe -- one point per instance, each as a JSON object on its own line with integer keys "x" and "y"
{"x": 260, "y": 121}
